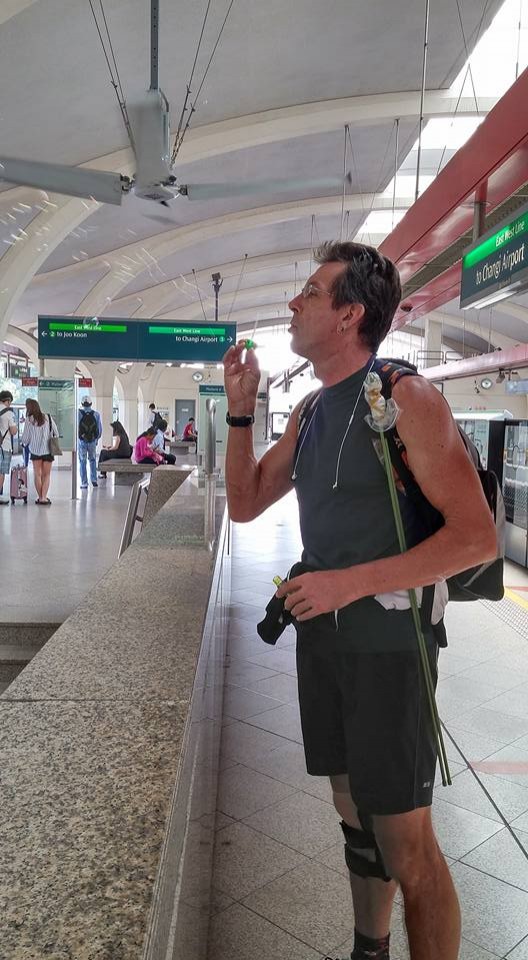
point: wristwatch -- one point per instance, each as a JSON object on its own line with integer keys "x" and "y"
{"x": 240, "y": 421}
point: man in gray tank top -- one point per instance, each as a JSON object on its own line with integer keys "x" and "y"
{"x": 363, "y": 707}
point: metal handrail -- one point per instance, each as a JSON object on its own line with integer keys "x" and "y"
{"x": 209, "y": 471}
{"x": 132, "y": 515}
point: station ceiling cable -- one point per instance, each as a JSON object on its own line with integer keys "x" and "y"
{"x": 344, "y": 181}
{"x": 192, "y": 108}
{"x": 519, "y": 30}
{"x": 241, "y": 274}
{"x": 469, "y": 73}
{"x": 115, "y": 79}
{"x": 199, "y": 293}
{"x": 379, "y": 180}
{"x": 189, "y": 84}
{"x": 468, "y": 56}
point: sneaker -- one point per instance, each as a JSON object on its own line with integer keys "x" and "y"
{"x": 95, "y": 484}
{"x": 4, "y": 500}
{"x": 84, "y": 486}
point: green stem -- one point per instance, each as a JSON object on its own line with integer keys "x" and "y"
{"x": 422, "y": 647}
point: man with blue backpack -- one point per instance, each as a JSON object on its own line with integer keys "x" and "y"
{"x": 89, "y": 431}
{"x": 363, "y": 700}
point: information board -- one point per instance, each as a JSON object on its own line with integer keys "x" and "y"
{"x": 87, "y": 338}
{"x": 57, "y": 397}
{"x": 496, "y": 266}
{"x": 110, "y": 338}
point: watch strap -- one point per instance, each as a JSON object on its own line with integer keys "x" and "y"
{"x": 246, "y": 421}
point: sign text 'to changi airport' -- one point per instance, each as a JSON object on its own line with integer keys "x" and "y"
{"x": 496, "y": 265}
{"x": 110, "y": 338}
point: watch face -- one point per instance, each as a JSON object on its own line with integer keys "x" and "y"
{"x": 486, "y": 383}
{"x": 197, "y": 377}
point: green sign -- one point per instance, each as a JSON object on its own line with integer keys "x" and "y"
{"x": 496, "y": 266}
{"x": 185, "y": 341}
{"x": 87, "y": 338}
{"x": 212, "y": 389}
{"x": 57, "y": 397}
{"x": 91, "y": 338}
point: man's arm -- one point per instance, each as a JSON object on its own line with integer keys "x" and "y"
{"x": 252, "y": 486}
{"x": 439, "y": 461}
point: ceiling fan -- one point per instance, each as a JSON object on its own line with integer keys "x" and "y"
{"x": 154, "y": 177}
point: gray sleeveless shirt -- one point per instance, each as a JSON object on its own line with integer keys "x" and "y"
{"x": 352, "y": 522}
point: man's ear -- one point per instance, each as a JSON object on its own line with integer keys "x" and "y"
{"x": 353, "y": 316}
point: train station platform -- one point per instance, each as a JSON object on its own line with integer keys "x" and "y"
{"x": 280, "y": 881}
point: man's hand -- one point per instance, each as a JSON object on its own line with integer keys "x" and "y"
{"x": 241, "y": 379}
{"x": 313, "y": 593}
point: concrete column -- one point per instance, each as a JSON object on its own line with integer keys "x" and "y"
{"x": 103, "y": 375}
{"x": 59, "y": 369}
{"x": 129, "y": 383}
{"x": 433, "y": 342}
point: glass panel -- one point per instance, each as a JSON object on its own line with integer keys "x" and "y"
{"x": 516, "y": 473}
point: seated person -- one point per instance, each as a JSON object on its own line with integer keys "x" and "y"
{"x": 143, "y": 449}
{"x": 120, "y": 448}
{"x": 158, "y": 443}
{"x": 190, "y": 432}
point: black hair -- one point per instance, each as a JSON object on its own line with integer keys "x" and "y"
{"x": 118, "y": 429}
{"x": 369, "y": 278}
{"x": 6, "y": 395}
{"x": 152, "y": 406}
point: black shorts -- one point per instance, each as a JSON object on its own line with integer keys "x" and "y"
{"x": 46, "y": 457}
{"x": 364, "y": 710}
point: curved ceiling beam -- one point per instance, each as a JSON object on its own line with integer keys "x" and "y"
{"x": 154, "y": 297}
{"x": 498, "y": 339}
{"x": 25, "y": 341}
{"x": 130, "y": 261}
{"x": 244, "y": 132}
{"x": 150, "y": 301}
{"x": 512, "y": 309}
{"x": 300, "y": 120}
{"x": 272, "y": 291}
{"x": 287, "y": 123}
{"x": 23, "y": 259}
{"x": 10, "y": 8}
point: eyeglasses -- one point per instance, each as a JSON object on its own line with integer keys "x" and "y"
{"x": 310, "y": 290}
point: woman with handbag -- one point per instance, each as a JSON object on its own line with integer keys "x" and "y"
{"x": 41, "y": 436}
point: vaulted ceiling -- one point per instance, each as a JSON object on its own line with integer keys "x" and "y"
{"x": 283, "y": 82}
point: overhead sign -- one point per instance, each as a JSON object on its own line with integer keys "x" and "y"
{"x": 87, "y": 338}
{"x": 85, "y": 382}
{"x": 496, "y": 266}
{"x": 108, "y": 338}
{"x": 29, "y": 381}
{"x": 185, "y": 341}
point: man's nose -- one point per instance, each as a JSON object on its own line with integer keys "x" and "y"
{"x": 294, "y": 304}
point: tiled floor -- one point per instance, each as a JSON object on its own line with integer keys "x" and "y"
{"x": 57, "y": 553}
{"x": 281, "y": 888}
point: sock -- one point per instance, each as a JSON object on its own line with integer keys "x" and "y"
{"x": 365, "y": 948}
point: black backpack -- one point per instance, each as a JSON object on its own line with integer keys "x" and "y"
{"x": 483, "y": 582}
{"x": 88, "y": 427}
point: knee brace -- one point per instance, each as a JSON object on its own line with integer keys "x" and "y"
{"x": 363, "y": 840}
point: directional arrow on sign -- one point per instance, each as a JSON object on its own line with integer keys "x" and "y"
{"x": 44, "y": 333}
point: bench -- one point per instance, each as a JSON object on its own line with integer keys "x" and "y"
{"x": 186, "y": 445}
{"x": 126, "y": 472}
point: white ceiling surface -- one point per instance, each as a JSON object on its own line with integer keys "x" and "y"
{"x": 62, "y": 108}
